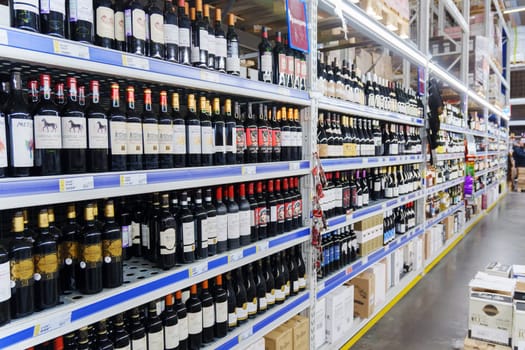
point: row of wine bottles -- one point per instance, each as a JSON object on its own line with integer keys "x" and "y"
{"x": 398, "y": 221}
{"x": 441, "y": 201}
{"x": 347, "y": 83}
{"x": 50, "y": 136}
{"x": 195, "y": 317}
{"x": 89, "y": 258}
{"x": 344, "y": 136}
{"x": 358, "y": 188}
{"x": 162, "y": 30}
{"x": 450, "y": 142}
{"x": 444, "y": 171}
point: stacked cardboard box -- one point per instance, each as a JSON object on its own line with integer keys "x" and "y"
{"x": 369, "y": 234}
{"x": 339, "y": 315}
{"x": 294, "y": 334}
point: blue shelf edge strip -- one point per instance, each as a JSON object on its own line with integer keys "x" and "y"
{"x": 136, "y": 292}
{"x": 361, "y": 160}
{"x": 341, "y": 277}
{"x": 266, "y": 321}
{"x": 43, "y": 185}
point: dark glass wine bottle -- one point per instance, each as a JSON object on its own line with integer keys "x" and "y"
{"x": 301, "y": 268}
{"x": 184, "y": 33}
{"x": 201, "y": 230}
{"x": 136, "y": 234}
{"x": 124, "y": 222}
{"x": 232, "y": 302}
{"x": 53, "y": 18}
{"x": 167, "y": 235}
{"x": 69, "y": 250}
{"x": 154, "y": 328}
{"x": 74, "y": 134}
{"x": 208, "y": 313}
{"x": 230, "y": 133}
{"x": 233, "y": 61}
{"x": 150, "y": 133}
{"x": 171, "y": 32}
{"x": 276, "y": 135}
{"x": 182, "y": 314}
{"x": 279, "y": 61}
{"x": 245, "y": 215}
{"x": 136, "y": 330}
{"x": 219, "y": 157}
{"x": 170, "y": 322}
{"x": 46, "y": 265}
{"x": 89, "y": 267}
{"x": 220, "y": 298}
{"x": 135, "y": 27}
{"x": 265, "y": 58}
{"x": 97, "y": 132}
{"x": 195, "y": 321}
{"x": 56, "y": 233}
{"x": 120, "y": 26}
{"x": 252, "y": 142}
{"x": 251, "y": 291}
{"x": 193, "y": 133}
{"x": 241, "y": 309}
{"x": 81, "y": 21}
{"x": 119, "y": 334}
{"x": 233, "y": 220}
{"x": 153, "y": 222}
{"x": 260, "y": 288}
{"x": 222, "y": 222}
{"x": 294, "y": 271}
{"x": 262, "y": 216}
{"x": 104, "y": 23}
{"x": 155, "y": 31}
{"x": 118, "y": 133}
{"x": 25, "y": 15}
{"x": 211, "y": 223}
{"x": 254, "y": 228}
{"x": 134, "y": 130}
{"x": 199, "y": 37}
{"x": 5, "y": 287}
{"x": 270, "y": 282}
{"x": 165, "y": 133}
{"x": 102, "y": 340}
{"x": 207, "y": 136}
{"x": 280, "y": 283}
{"x": 179, "y": 133}
{"x": 221, "y": 45}
{"x": 186, "y": 232}
{"x": 112, "y": 272}
{"x": 211, "y": 37}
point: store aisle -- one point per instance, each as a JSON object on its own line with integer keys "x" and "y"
{"x": 434, "y": 314}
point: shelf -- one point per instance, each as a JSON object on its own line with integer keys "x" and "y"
{"x": 347, "y": 273}
{"x": 444, "y": 186}
{"x": 485, "y": 171}
{"x": 371, "y": 210}
{"x": 403, "y": 286}
{"x": 78, "y": 312}
{"x": 461, "y": 130}
{"x": 261, "y": 325}
{"x": 368, "y": 162}
{"x": 32, "y": 191}
{"x": 341, "y": 106}
{"x": 33, "y": 48}
{"x": 448, "y": 156}
{"x": 431, "y": 222}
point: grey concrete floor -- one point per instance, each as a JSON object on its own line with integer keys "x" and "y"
{"x": 434, "y": 314}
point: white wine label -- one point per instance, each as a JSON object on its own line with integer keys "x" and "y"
{"x": 221, "y": 47}
{"x": 119, "y": 30}
{"x": 244, "y": 222}
{"x": 184, "y": 37}
{"x": 171, "y": 336}
{"x": 207, "y": 140}
{"x": 165, "y": 139}
{"x": 295, "y": 286}
{"x": 22, "y": 145}
{"x": 139, "y": 344}
{"x": 134, "y": 138}
{"x": 179, "y": 139}
{"x": 118, "y": 138}
{"x": 270, "y": 298}
{"x": 212, "y": 230}
{"x": 211, "y": 44}
{"x": 208, "y": 316}
{"x": 139, "y": 24}
{"x": 302, "y": 282}
{"x": 167, "y": 241}
{"x": 273, "y": 213}
{"x": 84, "y": 10}
{"x": 97, "y": 133}
{"x": 156, "y": 28}
{"x": 194, "y": 139}
{"x": 233, "y": 64}
{"x": 232, "y": 319}
{"x": 156, "y": 340}
{"x": 203, "y": 39}
{"x": 195, "y": 322}
{"x": 263, "y": 304}
{"x": 5, "y": 282}
{"x": 126, "y": 235}
{"x": 252, "y": 307}
{"x": 151, "y": 138}
{"x": 183, "y": 329}
{"x": 48, "y": 132}
{"x": 222, "y": 228}
{"x": 204, "y": 235}
{"x": 242, "y": 312}
{"x": 171, "y": 34}
{"x": 233, "y": 226}
{"x": 221, "y": 312}
{"x": 188, "y": 236}
{"x": 195, "y": 54}
{"x": 145, "y": 235}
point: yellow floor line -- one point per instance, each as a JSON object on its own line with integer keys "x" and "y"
{"x": 411, "y": 285}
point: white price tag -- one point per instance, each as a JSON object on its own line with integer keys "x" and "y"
{"x": 236, "y": 256}
{"x": 263, "y": 246}
{"x": 71, "y": 49}
{"x": 249, "y": 170}
{"x": 209, "y": 76}
{"x": 133, "y": 179}
{"x": 295, "y": 165}
{"x": 348, "y": 218}
{"x": 283, "y": 91}
{"x": 198, "y": 269}
{"x": 245, "y": 335}
{"x": 3, "y": 37}
{"x": 320, "y": 286}
{"x": 77, "y": 184}
{"x": 135, "y": 62}
{"x": 50, "y": 325}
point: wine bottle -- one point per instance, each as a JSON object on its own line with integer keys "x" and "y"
{"x": 150, "y": 133}
{"x": 155, "y": 31}
{"x": 154, "y": 328}
{"x": 240, "y": 136}
{"x": 276, "y": 135}
{"x": 280, "y": 284}
{"x": 137, "y": 332}
{"x": 97, "y": 132}
{"x": 124, "y": 222}
{"x": 230, "y": 133}
{"x": 286, "y": 273}
{"x": 81, "y": 21}
{"x": 201, "y": 228}
{"x": 195, "y": 321}
{"x": 208, "y": 313}
{"x": 241, "y": 308}
{"x": 251, "y": 131}
{"x": 102, "y": 340}
{"x": 211, "y": 37}
{"x": 219, "y": 158}
{"x": 165, "y": 133}
{"x": 119, "y": 334}
{"x": 245, "y": 215}
{"x": 233, "y": 228}
{"x": 298, "y": 135}
{"x": 120, "y": 27}
{"x": 167, "y": 235}
{"x": 179, "y": 133}
{"x": 68, "y": 247}
{"x": 281, "y": 217}
{"x": 263, "y": 136}
{"x": 74, "y": 134}
{"x": 193, "y": 134}
{"x": 301, "y": 268}
{"x": 288, "y": 207}
{"x": 19, "y": 125}
{"x": 89, "y": 268}
{"x": 171, "y": 32}
{"x": 290, "y": 58}
{"x": 104, "y": 23}
{"x": 262, "y": 216}
{"x": 232, "y": 302}
{"x": 112, "y": 272}
{"x": 294, "y": 272}
{"x": 251, "y": 291}
{"x": 220, "y": 299}
{"x": 135, "y": 27}
{"x": 136, "y": 233}
{"x": 222, "y": 221}
{"x": 260, "y": 287}
{"x": 48, "y": 132}
{"x": 56, "y": 233}
{"x": 286, "y": 136}
{"x": 185, "y": 231}
{"x": 221, "y": 45}
{"x": 199, "y": 37}
{"x": 118, "y": 133}
{"x": 53, "y": 18}
{"x": 279, "y": 61}
{"x": 254, "y": 227}
{"x": 134, "y": 130}
{"x": 297, "y": 205}
{"x": 184, "y": 33}
{"x": 211, "y": 223}
{"x": 182, "y": 314}
{"x": 25, "y": 15}
{"x": 46, "y": 265}
{"x": 70, "y": 341}
{"x": 273, "y": 203}
{"x": 265, "y": 58}
{"x": 171, "y": 324}
{"x": 207, "y": 135}
{"x": 233, "y": 61}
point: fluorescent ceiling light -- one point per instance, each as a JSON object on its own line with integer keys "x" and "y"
{"x": 514, "y": 9}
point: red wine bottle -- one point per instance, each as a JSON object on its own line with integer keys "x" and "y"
{"x": 251, "y": 291}
{"x": 170, "y": 322}
{"x": 252, "y": 134}
{"x": 155, "y": 32}
{"x": 154, "y": 328}
{"x": 265, "y": 58}
{"x": 211, "y": 223}
{"x": 254, "y": 229}
{"x": 182, "y": 316}
{"x": 74, "y": 134}
{"x": 193, "y": 134}
{"x": 221, "y": 46}
{"x": 273, "y": 203}
{"x": 150, "y": 133}
{"x": 186, "y": 232}
{"x": 230, "y": 132}
{"x": 233, "y": 220}
{"x": 97, "y": 129}
{"x": 199, "y": 37}
{"x": 281, "y": 217}
{"x": 120, "y": 27}
{"x": 220, "y": 298}
{"x": 201, "y": 230}
{"x": 53, "y": 18}
{"x": 184, "y": 33}
{"x": 25, "y": 15}
{"x": 222, "y": 222}
{"x": 245, "y": 215}
{"x": 262, "y": 216}
{"x": 206, "y": 134}
{"x": 104, "y": 23}
{"x": 179, "y": 133}
{"x": 171, "y": 32}
{"x": 137, "y": 332}
{"x": 232, "y": 302}
{"x": 208, "y": 313}
{"x": 241, "y": 309}
{"x": 118, "y": 133}
{"x": 135, "y": 27}
{"x": 270, "y": 283}
{"x": 89, "y": 267}
{"x": 134, "y": 128}
{"x": 81, "y": 21}
{"x": 194, "y": 307}
{"x": 112, "y": 272}
{"x": 124, "y": 222}
{"x": 119, "y": 334}
{"x": 233, "y": 61}
{"x": 288, "y": 207}
{"x": 167, "y": 235}
{"x": 219, "y": 157}
{"x": 260, "y": 287}
{"x": 211, "y": 37}
{"x": 165, "y": 133}
{"x": 68, "y": 247}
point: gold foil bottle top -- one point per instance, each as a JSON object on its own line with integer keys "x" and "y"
{"x": 290, "y": 114}
{"x": 25, "y": 216}
{"x": 109, "y": 210}
{"x": 192, "y": 12}
{"x": 43, "y": 219}
{"x": 198, "y": 5}
{"x": 296, "y": 114}
{"x": 191, "y": 102}
{"x": 207, "y": 10}
{"x": 51, "y": 215}
{"x": 18, "y": 222}
{"x": 231, "y": 19}
{"x": 175, "y": 101}
{"x": 71, "y": 211}
{"x": 218, "y": 14}
{"x": 216, "y": 105}
{"x": 228, "y": 106}
{"x": 88, "y": 213}
{"x": 202, "y": 103}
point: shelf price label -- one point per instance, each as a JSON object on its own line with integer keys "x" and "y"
{"x": 70, "y": 49}
{"x": 198, "y": 269}
{"x": 3, "y": 37}
{"x": 245, "y": 335}
{"x": 135, "y": 62}
{"x": 54, "y": 323}
{"x": 236, "y": 256}
{"x": 249, "y": 170}
{"x": 76, "y": 184}
{"x": 264, "y": 246}
{"x": 209, "y": 76}
{"x": 294, "y": 165}
{"x": 133, "y": 180}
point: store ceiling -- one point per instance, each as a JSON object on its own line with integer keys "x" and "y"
{"x": 517, "y": 18}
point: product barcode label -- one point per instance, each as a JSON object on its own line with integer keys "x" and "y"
{"x": 135, "y": 62}
{"x": 198, "y": 269}
{"x": 249, "y": 170}
{"x": 264, "y": 246}
{"x": 70, "y": 49}
{"x": 236, "y": 256}
{"x": 50, "y": 325}
{"x": 133, "y": 179}
{"x": 76, "y": 184}
{"x": 209, "y": 76}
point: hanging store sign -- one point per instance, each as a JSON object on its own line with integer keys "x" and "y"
{"x": 297, "y": 25}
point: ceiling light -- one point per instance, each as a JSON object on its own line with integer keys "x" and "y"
{"x": 514, "y": 9}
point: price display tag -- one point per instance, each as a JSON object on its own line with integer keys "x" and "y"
{"x": 52, "y": 324}
{"x": 349, "y": 270}
{"x": 249, "y": 170}
{"x": 283, "y": 91}
{"x": 198, "y": 269}
{"x": 71, "y": 49}
{"x": 264, "y": 246}
{"x": 209, "y": 76}
{"x": 135, "y": 62}
{"x": 76, "y": 184}
{"x": 133, "y": 180}
{"x": 236, "y": 256}
{"x": 294, "y": 165}
{"x": 245, "y": 335}
{"x": 3, "y": 37}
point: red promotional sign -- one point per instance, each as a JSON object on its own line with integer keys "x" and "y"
{"x": 297, "y": 24}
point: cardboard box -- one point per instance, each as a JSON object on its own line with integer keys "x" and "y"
{"x": 398, "y": 266}
{"x": 518, "y": 325}
{"x": 473, "y": 344}
{"x": 335, "y": 303}
{"x": 320, "y": 322}
{"x": 448, "y": 224}
{"x": 259, "y": 344}
{"x": 490, "y": 308}
{"x": 300, "y": 326}
{"x": 380, "y": 283}
{"x": 364, "y": 294}
{"x": 348, "y": 298}
{"x": 281, "y": 338}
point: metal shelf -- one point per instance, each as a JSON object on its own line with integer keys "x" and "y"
{"x": 431, "y": 222}
{"x": 448, "y": 156}
{"x": 31, "y": 191}
{"x": 336, "y": 105}
{"x": 145, "y": 283}
{"x": 368, "y": 162}
{"x": 461, "y": 130}
{"x": 444, "y": 186}
{"x": 486, "y": 171}
{"x": 37, "y": 49}
{"x": 348, "y": 272}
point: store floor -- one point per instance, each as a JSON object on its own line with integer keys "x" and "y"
{"x": 434, "y": 314}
